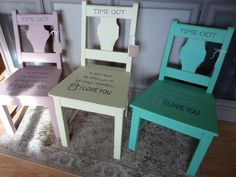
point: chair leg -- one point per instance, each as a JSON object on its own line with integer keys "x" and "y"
{"x": 199, "y": 153}
{"x": 62, "y": 123}
{"x": 134, "y": 130}
{"x": 119, "y": 117}
{"x": 7, "y": 120}
{"x": 53, "y": 117}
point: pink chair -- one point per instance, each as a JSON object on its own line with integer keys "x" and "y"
{"x": 30, "y": 84}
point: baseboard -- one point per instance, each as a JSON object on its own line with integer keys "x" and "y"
{"x": 226, "y": 110}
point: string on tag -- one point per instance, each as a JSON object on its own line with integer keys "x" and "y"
{"x": 215, "y": 52}
{"x": 55, "y": 33}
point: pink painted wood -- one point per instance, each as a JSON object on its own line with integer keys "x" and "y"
{"x": 30, "y": 85}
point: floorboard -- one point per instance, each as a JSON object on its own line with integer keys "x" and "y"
{"x": 220, "y": 160}
{"x": 14, "y": 167}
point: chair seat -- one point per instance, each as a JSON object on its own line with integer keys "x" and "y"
{"x": 180, "y": 102}
{"x": 96, "y": 84}
{"x": 30, "y": 81}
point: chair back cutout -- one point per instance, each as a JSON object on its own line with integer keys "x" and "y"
{"x": 193, "y": 53}
{"x": 38, "y": 36}
{"x": 108, "y": 32}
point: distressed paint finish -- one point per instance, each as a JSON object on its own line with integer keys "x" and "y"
{"x": 179, "y": 106}
{"x": 30, "y": 85}
{"x": 96, "y": 88}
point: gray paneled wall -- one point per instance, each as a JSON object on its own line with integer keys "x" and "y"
{"x": 152, "y": 31}
{"x": 223, "y": 14}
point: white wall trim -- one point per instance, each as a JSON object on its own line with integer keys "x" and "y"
{"x": 6, "y": 55}
{"x": 226, "y": 110}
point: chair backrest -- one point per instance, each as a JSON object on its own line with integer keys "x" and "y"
{"x": 37, "y": 35}
{"x": 193, "y": 53}
{"x": 108, "y": 32}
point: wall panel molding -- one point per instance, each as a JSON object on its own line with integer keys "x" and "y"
{"x": 214, "y": 8}
{"x": 23, "y": 6}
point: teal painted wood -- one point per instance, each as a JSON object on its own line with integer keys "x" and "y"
{"x": 192, "y": 49}
{"x": 187, "y": 76}
{"x": 200, "y": 152}
{"x": 178, "y": 102}
{"x": 134, "y": 131}
{"x": 167, "y": 49}
{"x": 177, "y": 105}
{"x": 200, "y": 32}
{"x": 196, "y": 47}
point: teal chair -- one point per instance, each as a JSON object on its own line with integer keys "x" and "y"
{"x": 181, "y": 99}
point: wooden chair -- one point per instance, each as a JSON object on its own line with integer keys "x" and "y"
{"x": 171, "y": 102}
{"x": 99, "y": 88}
{"x": 30, "y": 84}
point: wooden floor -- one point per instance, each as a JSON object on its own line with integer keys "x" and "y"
{"x": 220, "y": 160}
{"x": 13, "y": 167}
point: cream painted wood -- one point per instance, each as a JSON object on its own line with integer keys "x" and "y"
{"x": 97, "y": 88}
{"x": 109, "y": 12}
{"x": 118, "y": 133}
{"x": 110, "y": 92}
{"x": 62, "y": 124}
{"x": 104, "y": 13}
{"x": 107, "y": 55}
{"x": 83, "y": 33}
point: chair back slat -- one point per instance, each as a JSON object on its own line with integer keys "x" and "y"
{"x": 187, "y": 76}
{"x": 200, "y": 32}
{"x": 33, "y": 38}
{"x": 193, "y": 53}
{"x": 107, "y": 55}
{"x": 109, "y": 11}
{"x": 37, "y": 35}
{"x": 37, "y": 19}
{"x": 108, "y": 32}
{"x": 108, "y": 38}
{"x": 42, "y": 57}
{"x": 196, "y": 47}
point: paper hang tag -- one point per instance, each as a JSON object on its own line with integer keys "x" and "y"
{"x": 57, "y": 47}
{"x": 133, "y": 50}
